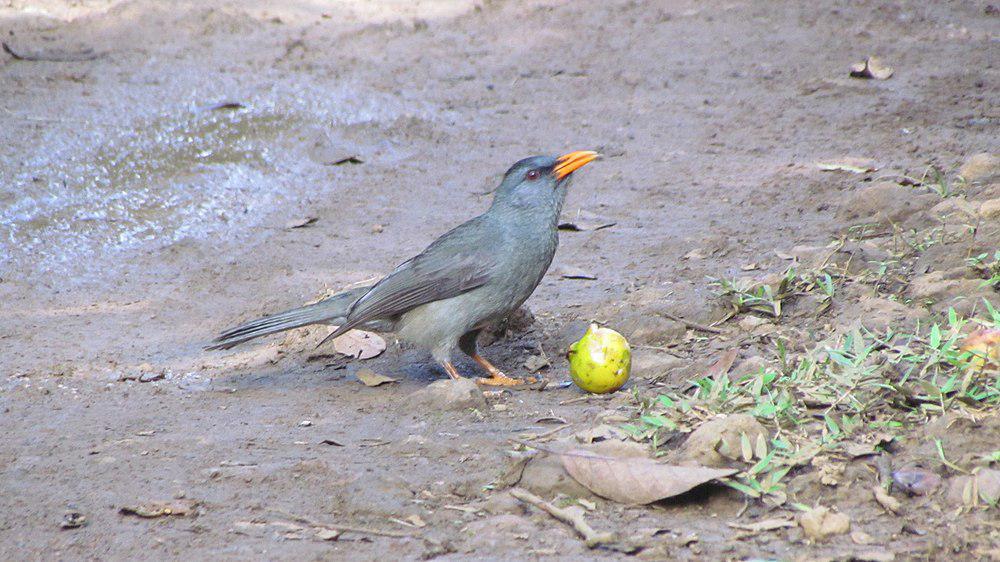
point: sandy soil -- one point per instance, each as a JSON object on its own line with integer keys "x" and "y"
{"x": 141, "y": 219}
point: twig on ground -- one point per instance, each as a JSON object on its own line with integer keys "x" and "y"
{"x": 84, "y": 55}
{"x": 549, "y": 433}
{"x": 587, "y": 398}
{"x": 692, "y": 325}
{"x": 341, "y": 528}
{"x": 572, "y": 518}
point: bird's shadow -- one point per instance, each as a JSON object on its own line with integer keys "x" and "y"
{"x": 409, "y": 366}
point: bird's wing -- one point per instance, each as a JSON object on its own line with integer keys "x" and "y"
{"x": 459, "y": 261}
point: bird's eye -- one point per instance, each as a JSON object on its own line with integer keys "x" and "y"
{"x": 532, "y": 174}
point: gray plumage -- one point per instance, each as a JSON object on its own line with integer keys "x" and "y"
{"x": 475, "y": 274}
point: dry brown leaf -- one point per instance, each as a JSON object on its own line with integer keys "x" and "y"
{"x": 695, "y": 254}
{"x": 359, "y": 344}
{"x": 722, "y": 365}
{"x": 635, "y": 480}
{"x": 369, "y": 377}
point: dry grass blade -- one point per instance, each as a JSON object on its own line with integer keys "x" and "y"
{"x": 341, "y": 528}
{"x": 635, "y": 480}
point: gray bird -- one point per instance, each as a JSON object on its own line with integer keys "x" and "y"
{"x": 469, "y": 278}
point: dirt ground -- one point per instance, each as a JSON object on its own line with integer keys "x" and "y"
{"x": 139, "y": 216}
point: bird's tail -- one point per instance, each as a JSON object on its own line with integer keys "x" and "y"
{"x": 332, "y": 310}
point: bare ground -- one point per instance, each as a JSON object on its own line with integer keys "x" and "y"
{"x": 712, "y": 116}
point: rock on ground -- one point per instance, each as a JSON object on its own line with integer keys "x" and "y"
{"x": 990, "y": 209}
{"x": 448, "y": 395}
{"x": 651, "y": 364}
{"x": 820, "y": 523}
{"x": 886, "y": 203}
{"x": 981, "y": 167}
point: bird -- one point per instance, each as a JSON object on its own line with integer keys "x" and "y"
{"x": 471, "y": 277}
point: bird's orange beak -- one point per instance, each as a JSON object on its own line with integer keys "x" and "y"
{"x": 569, "y": 163}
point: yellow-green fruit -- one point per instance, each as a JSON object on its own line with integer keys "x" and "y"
{"x": 601, "y": 361}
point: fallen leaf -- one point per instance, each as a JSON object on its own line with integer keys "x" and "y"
{"x": 301, "y": 222}
{"x": 571, "y": 272}
{"x": 416, "y": 521}
{"x": 148, "y": 510}
{"x": 635, "y": 480}
{"x": 225, "y": 105}
{"x": 722, "y": 365}
{"x": 331, "y": 442}
{"x": 369, "y": 377}
{"x": 695, "y": 254}
{"x": 352, "y": 159}
{"x": 584, "y": 221}
{"x": 872, "y": 67}
{"x": 513, "y": 472}
{"x": 359, "y": 344}
{"x": 853, "y": 165}
{"x": 536, "y": 363}
{"x": 783, "y": 255}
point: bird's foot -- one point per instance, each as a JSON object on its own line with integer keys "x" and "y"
{"x": 497, "y": 378}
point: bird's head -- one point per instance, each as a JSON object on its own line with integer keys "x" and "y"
{"x": 540, "y": 181}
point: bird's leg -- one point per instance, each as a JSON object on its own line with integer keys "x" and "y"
{"x": 467, "y": 343}
{"x": 497, "y": 378}
{"x": 451, "y": 370}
